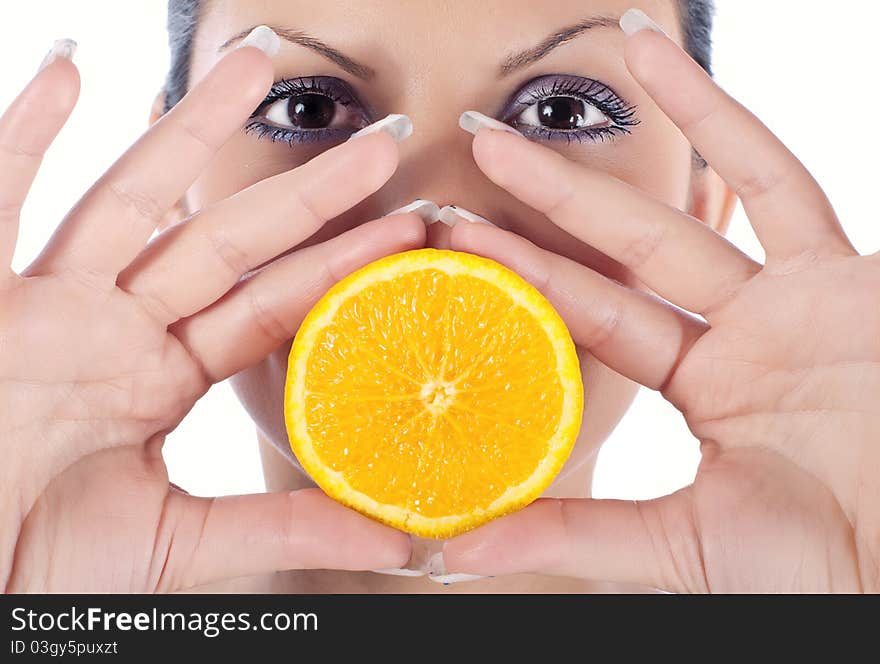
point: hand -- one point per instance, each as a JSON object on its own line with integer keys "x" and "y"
{"x": 779, "y": 378}
{"x": 106, "y": 344}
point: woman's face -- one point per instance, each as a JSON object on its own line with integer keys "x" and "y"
{"x": 359, "y": 61}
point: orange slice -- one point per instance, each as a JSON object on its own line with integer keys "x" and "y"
{"x": 433, "y": 391}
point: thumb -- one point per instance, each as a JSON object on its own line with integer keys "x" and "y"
{"x": 650, "y": 543}
{"x": 212, "y": 539}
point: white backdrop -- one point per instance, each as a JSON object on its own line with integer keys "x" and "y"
{"x": 810, "y": 76}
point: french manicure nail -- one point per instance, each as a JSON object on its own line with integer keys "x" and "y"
{"x": 400, "y": 572}
{"x": 437, "y": 572}
{"x": 452, "y": 214}
{"x": 449, "y": 579}
{"x": 396, "y": 125}
{"x": 264, "y": 38}
{"x": 635, "y": 20}
{"x": 473, "y": 121}
{"x": 429, "y": 211}
{"x": 436, "y": 565}
{"x": 62, "y": 48}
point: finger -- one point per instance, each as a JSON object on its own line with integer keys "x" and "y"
{"x": 27, "y": 129}
{"x": 631, "y": 332}
{"x": 650, "y": 543}
{"x": 678, "y": 256}
{"x": 212, "y": 539}
{"x": 195, "y": 262}
{"x": 113, "y": 221}
{"x": 437, "y": 235}
{"x": 788, "y": 210}
{"x": 265, "y": 310}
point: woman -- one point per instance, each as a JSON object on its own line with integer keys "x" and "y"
{"x": 620, "y": 127}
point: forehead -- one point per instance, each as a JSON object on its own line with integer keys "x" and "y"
{"x": 425, "y": 29}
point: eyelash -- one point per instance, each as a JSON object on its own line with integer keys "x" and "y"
{"x": 621, "y": 114}
{"x": 333, "y": 88}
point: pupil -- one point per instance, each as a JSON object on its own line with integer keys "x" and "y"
{"x": 311, "y": 111}
{"x": 561, "y": 113}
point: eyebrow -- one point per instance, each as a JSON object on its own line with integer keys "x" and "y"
{"x": 350, "y": 65}
{"x": 558, "y": 38}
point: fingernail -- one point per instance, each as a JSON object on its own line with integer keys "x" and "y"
{"x": 62, "y": 48}
{"x": 472, "y": 121}
{"x": 635, "y": 20}
{"x": 400, "y": 572}
{"x": 429, "y": 211}
{"x": 437, "y": 572}
{"x": 449, "y": 579}
{"x": 452, "y": 214}
{"x": 262, "y": 37}
{"x": 396, "y": 125}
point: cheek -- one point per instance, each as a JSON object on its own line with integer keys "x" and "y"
{"x": 655, "y": 159}
{"x": 261, "y": 391}
{"x": 242, "y": 162}
{"x": 245, "y": 161}
{"x": 658, "y": 161}
{"x": 607, "y": 396}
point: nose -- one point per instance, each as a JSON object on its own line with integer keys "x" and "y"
{"x": 436, "y": 164}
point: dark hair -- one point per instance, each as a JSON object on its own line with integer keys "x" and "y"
{"x": 696, "y": 25}
{"x": 183, "y": 17}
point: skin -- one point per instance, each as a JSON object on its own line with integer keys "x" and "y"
{"x": 399, "y": 86}
{"x": 780, "y": 388}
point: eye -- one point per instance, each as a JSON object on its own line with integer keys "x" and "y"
{"x": 308, "y": 109}
{"x": 565, "y": 113}
{"x": 567, "y": 107}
